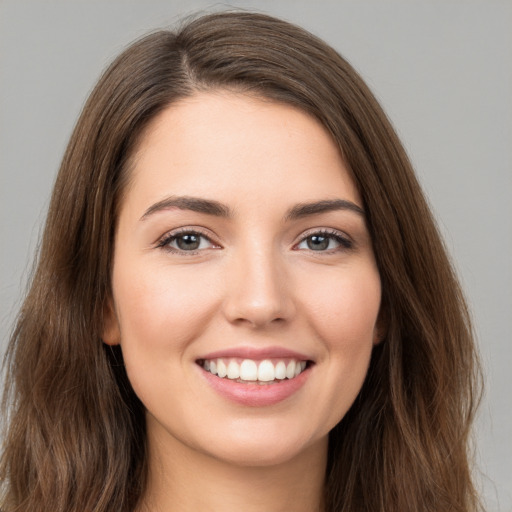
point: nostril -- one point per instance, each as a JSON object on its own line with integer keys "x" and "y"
{"x": 257, "y": 319}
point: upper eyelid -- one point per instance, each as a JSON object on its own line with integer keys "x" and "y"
{"x": 325, "y": 231}
{"x": 183, "y": 231}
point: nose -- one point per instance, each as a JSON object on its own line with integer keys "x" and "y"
{"x": 259, "y": 290}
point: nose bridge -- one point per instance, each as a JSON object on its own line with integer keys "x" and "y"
{"x": 258, "y": 291}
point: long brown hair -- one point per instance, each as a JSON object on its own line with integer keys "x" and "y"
{"x": 75, "y": 435}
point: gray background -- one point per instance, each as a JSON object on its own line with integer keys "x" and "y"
{"x": 442, "y": 69}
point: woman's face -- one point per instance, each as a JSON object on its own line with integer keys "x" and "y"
{"x": 245, "y": 289}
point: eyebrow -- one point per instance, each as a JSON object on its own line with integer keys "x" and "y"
{"x": 328, "y": 205}
{"x": 194, "y": 204}
{"x": 217, "y": 209}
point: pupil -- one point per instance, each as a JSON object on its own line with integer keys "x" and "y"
{"x": 318, "y": 243}
{"x": 188, "y": 242}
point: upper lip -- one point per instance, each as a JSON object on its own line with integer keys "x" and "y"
{"x": 257, "y": 353}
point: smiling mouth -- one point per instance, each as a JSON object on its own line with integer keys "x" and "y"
{"x": 250, "y": 371}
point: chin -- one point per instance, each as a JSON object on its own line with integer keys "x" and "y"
{"x": 265, "y": 451}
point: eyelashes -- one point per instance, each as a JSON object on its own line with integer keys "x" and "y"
{"x": 324, "y": 241}
{"x": 185, "y": 240}
{"x": 188, "y": 242}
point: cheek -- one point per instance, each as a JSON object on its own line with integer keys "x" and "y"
{"x": 344, "y": 318}
{"x": 160, "y": 302}
{"x": 344, "y": 307}
{"x": 160, "y": 311}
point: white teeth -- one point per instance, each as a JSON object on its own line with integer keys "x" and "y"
{"x": 221, "y": 368}
{"x": 280, "y": 370}
{"x": 249, "y": 370}
{"x": 233, "y": 370}
{"x": 266, "y": 371}
{"x": 290, "y": 370}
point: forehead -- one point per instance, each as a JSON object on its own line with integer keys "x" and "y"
{"x": 236, "y": 146}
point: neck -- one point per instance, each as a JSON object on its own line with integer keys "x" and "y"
{"x": 184, "y": 480}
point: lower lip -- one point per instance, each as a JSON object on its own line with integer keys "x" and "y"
{"x": 253, "y": 394}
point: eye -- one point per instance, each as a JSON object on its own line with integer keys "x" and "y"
{"x": 186, "y": 241}
{"x": 324, "y": 241}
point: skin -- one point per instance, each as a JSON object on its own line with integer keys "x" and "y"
{"x": 253, "y": 282}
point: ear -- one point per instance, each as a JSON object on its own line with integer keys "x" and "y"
{"x": 381, "y": 327}
{"x": 111, "y": 333}
{"x": 377, "y": 336}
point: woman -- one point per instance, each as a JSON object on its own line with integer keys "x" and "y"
{"x": 247, "y": 304}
